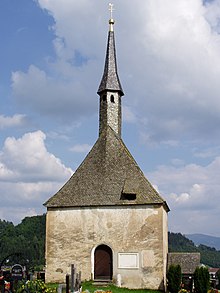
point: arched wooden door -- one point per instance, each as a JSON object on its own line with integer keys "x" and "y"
{"x": 103, "y": 263}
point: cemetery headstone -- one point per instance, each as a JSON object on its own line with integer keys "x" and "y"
{"x": 17, "y": 272}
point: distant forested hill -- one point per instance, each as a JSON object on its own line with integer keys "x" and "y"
{"x": 179, "y": 243}
{"x": 23, "y": 243}
{"x": 26, "y": 241}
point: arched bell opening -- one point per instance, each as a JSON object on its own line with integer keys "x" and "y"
{"x": 112, "y": 98}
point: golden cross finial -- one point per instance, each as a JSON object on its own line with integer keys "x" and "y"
{"x": 111, "y": 9}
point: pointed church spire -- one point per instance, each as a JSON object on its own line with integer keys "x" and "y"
{"x": 110, "y": 90}
{"x": 110, "y": 79}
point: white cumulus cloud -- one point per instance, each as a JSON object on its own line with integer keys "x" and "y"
{"x": 29, "y": 174}
{"x": 27, "y": 158}
{"x": 192, "y": 192}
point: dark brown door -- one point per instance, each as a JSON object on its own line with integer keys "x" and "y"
{"x": 103, "y": 263}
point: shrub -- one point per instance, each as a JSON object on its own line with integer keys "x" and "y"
{"x": 174, "y": 278}
{"x": 35, "y": 286}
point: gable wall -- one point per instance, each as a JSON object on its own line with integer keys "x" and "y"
{"x": 73, "y": 234}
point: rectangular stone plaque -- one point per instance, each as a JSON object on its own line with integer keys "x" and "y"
{"x": 128, "y": 260}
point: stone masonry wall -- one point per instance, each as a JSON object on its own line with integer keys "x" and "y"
{"x": 73, "y": 234}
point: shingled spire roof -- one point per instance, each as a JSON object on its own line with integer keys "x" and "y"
{"x": 110, "y": 80}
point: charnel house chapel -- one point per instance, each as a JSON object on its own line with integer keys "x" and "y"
{"x": 107, "y": 219}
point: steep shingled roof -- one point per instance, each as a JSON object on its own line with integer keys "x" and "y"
{"x": 108, "y": 172}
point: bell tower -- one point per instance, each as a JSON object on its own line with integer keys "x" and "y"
{"x": 110, "y": 90}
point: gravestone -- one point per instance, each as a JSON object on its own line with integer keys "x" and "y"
{"x": 17, "y": 272}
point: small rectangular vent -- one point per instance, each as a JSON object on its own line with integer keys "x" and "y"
{"x": 128, "y": 196}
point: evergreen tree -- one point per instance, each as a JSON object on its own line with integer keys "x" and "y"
{"x": 174, "y": 278}
{"x": 201, "y": 280}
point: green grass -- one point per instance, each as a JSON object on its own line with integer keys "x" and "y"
{"x": 114, "y": 289}
{"x": 52, "y": 285}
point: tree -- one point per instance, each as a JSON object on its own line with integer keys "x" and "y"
{"x": 201, "y": 280}
{"x": 174, "y": 278}
{"x": 25, "y": 242}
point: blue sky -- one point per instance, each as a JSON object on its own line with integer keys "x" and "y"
{"x": 52, "y": 58}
